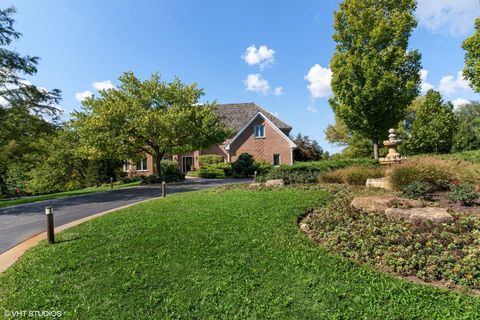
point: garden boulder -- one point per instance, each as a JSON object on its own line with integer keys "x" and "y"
{"x": 378, "y": 183}
{"x": 415, "y": 215}
{"x": 275, "y": 183}
{"x": 382, "y": 203}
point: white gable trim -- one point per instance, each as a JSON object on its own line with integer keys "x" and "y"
{"x": 280, "y": 132}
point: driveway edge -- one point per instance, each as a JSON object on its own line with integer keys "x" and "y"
{"x": 10, "y": 256}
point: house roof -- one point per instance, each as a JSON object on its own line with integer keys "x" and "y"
{"x": 237, "y": 115}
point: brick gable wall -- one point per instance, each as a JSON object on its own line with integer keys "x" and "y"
{"x": 262, "y": 149}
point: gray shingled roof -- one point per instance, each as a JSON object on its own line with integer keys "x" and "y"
{"x": 237, "y": 115}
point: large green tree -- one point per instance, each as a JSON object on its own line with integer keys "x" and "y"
{"x": 63, "y": 165}
{"x": 150, "y": 116}
{"x": 375, "y": 75}
{"x": 472, "y": 58}
{"x": 23, "y": 105}
{"x": 467, "y": 133}
{"x": 355, "y": 146}
{"x": 433, "y": 126}
{"x": 15, "y": 91}
{"x": 307, "y": 149}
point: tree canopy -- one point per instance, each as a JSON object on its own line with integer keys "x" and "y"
{"x": 433, "y": 126}
{"x": 22, "y": 104}
{"x": 472, "y": 58}
{"x": 150, "y": 116}
{"x": 467, "y": 135}
{"x": 14, "y": 89}
{"x": 307, "y": 149}
{"x": 355, "y": 146}
{"x": 375, "y": 75}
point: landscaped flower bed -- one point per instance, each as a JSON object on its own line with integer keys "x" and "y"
{"x": 447, "y": 254}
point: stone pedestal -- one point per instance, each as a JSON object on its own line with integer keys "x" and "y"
{"x": 393, "y": 157}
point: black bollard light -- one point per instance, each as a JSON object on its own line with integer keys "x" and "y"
{"x": 50, "y": 227}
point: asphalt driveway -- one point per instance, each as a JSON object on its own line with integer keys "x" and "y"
{"x": 21, "y": 222}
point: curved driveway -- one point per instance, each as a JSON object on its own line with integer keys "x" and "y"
{"x": 21, "y": 222}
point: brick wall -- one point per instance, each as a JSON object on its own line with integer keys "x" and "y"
{"x": 261, "y": 148}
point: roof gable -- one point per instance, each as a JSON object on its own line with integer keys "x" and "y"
{"x": 259, "y": 114}
{"x": 236, "y": 115}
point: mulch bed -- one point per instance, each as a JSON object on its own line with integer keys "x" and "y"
{"x": 442, "y": 199}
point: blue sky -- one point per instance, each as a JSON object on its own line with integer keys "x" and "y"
{"x": 274, "y": 53}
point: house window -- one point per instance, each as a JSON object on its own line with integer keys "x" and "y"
{"x": 259, "y": 131}
{"x": 142, "y": 165}
{"x": 276, "y": 159}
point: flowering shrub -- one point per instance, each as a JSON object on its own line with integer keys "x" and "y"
{"x": 448, "y": 252}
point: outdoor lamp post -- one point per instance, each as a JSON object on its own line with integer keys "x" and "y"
{"x": 50, "y": 228}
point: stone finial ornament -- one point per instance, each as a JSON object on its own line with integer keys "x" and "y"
{"x": 393, "y": 157}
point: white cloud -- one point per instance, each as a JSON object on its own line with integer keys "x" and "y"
{"x": 320, "y": 79}
{"x": 425, "y": 86}
{"x": 454, "y": 17}
{"x": 278, "y": 91}
{"x": 449, "y": 84}
{"x": 263, "y": 56}
{"x": 80, "y": 96}
{"x": 254, "y": 82}
{"x": 102, "y": 85}
{"x": 459, "y": 102}
{"x": 312, "y": 109}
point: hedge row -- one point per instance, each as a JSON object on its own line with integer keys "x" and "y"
{"x": 308, "y": 172}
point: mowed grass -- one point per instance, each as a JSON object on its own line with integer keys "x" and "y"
{"x": 233, "y": 254}
{"x": 24, "y": 200}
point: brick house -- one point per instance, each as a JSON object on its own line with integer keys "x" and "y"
{"x": 255, "y": 131}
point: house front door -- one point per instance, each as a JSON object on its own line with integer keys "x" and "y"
{"x": 187, "y": 164}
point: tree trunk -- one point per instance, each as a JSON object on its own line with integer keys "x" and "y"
{"x": 375, "y": 148}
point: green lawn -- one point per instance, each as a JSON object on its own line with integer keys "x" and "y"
{"x": 9, "y": 203}
{"x": 234, "y": 254}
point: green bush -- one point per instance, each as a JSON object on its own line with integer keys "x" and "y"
{"x": 308, "y": 172}
{"x": 262, "y": 167}
{"x": 290, "y": 177}
{"x": 417, "y": 189}
{"x": 207, "y": 159}
{"x": 154, "y": 179}
{"x": 170, "y": 168}
{"x": 124, "y": 180}
{"x": 470, "y": 156}
{"x": 215, "y": 171}
{"x": 244, "y": 166}
{"x": 327, "y": 165}
{"x": 170, "y": 173}
{"x": 464, "y": 193}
